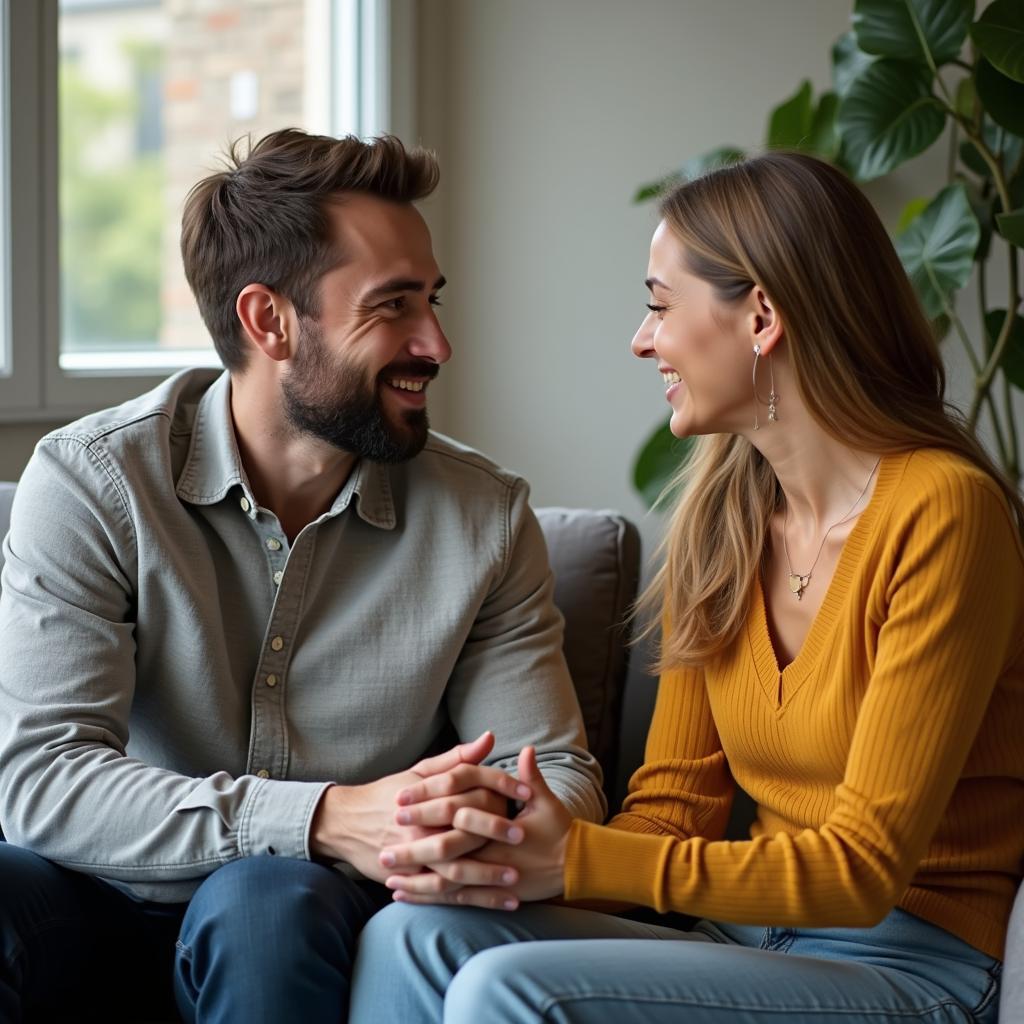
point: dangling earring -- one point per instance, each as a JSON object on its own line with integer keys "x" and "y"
{"x": 757, "y": 355}
{"x": 773, "y": 415}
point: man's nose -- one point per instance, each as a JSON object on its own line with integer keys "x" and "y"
{"x": 642, "y": 345}
{"x": 430, "y": 342}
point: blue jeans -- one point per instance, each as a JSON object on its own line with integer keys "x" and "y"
{"x": 542, "y": 963}
{"x": 264, "y": 939}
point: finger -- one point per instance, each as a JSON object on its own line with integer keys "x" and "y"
{"x": 423, "y": 883}
{"x": 492, "y": 899}
{"x": 527, "y": 767}
{"x": 440, "y": 812}
{"x": 431, "y": 850}
{"x": 454, "y": 874}
{"x": 461, "y": 778}
{"x": 489, "y": 826}
{"x": 463, "y": 753}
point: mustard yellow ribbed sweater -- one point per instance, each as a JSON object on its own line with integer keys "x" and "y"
{"x": 887, "y": 761}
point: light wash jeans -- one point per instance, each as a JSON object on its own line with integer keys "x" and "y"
{"x": 557, "y": 964}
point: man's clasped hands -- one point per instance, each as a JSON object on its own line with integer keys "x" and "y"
{"x": 441, "y": 831}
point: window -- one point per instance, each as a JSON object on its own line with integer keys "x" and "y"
{"x": 135, "y": 100}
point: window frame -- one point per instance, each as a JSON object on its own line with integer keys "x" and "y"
{"x": 34, "y": 386}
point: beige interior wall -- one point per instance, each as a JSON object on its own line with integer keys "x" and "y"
{"x": 16, "y": 443}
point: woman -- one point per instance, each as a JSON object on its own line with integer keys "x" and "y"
{"x": 843, "y": 599}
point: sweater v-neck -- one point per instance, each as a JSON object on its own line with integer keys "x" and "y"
{"x": 780, "y": 685}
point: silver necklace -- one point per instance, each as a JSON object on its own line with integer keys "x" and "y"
{"x": 798, "y": 580}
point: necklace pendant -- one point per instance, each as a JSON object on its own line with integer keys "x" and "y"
{"x": 798, "y": 584}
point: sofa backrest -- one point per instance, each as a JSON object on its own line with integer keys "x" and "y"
{"x": 595, "y": 558}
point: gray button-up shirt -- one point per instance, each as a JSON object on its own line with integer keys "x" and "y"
{"x": 179, "y": 684}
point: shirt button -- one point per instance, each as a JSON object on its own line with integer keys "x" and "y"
{"x": 278, "y": 576}
{"x": 271, "y": 680}
{"x": 277, "y": 643}
{"x": 263, "y": 773}
{"x": 274, "y": 544}
{"x": 245, "y": 504}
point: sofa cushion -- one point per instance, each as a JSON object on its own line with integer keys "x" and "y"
{"x": 595, "y": 557}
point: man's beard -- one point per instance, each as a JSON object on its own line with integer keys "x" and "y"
{"x": 340, "y": 404}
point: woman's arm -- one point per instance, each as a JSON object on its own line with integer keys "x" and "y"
{"x": 950, "y": 629}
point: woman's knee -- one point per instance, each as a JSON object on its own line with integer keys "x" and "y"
{"x": 494, "y": 979}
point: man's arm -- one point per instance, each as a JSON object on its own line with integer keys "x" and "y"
{"x": 512, "y": 676}
{"x": 67, "y": 680}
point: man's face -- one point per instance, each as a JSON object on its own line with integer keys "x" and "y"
{"x": 359, "y": 375}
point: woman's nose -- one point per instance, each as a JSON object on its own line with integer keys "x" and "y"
{"x": 642, "y": 345}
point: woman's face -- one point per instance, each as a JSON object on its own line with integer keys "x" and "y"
{"x": 703, "y": 348}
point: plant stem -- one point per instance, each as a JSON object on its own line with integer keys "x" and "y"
{"x": 928, "y": 53}
{"x": 954, "y": 319}
{"x": 984, "y": 380}
{"x": 951, "y": 165}
{"x": 1013, "y": 466}
{"x": 997, "y": 431}
{"x": 1009, "y": 461}
{"x": 983, "y": 295}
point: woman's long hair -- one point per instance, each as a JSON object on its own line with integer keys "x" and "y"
{"x": 866, "y": 364}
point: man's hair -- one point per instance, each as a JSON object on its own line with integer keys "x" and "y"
{"x": 263, "y": 219}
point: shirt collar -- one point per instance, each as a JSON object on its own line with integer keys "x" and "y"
{"x": 213, "y": 466}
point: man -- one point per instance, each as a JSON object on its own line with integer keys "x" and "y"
{"x": 238, "y": 611}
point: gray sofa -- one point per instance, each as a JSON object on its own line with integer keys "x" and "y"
{"x": 595, "y": 556}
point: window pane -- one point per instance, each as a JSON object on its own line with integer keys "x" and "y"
{"x": 151, "y": 91}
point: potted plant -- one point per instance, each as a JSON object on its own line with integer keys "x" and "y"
{"x": 907, "y": 73}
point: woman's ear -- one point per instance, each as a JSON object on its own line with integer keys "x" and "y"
{"x": 267, "y": 319}
{"x": 763, "y": 320}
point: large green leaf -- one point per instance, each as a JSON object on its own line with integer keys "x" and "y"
{"x": 693, "y": 168}
{"x": 1002, "y": 97}
{"x": 912, "y": 29}
{"x": 1013, "y": 356}
{"x": 824, "y": 139}
{"x": 789, "y": 124}
{"x": 1011, "y": 226}
{"x": 658, "y": 461}
{"x": 887, "y": 116}
{"x": 848, "y": 61}
{"x": 937, "y": 249}
{"x": 999, "y": 34}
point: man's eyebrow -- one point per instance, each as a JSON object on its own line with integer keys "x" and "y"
{"x": 401, "y": 284}
{"x": 652, "y": 281}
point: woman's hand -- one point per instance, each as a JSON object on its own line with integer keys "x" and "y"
{"x": 353, "y": 823}
{"x": 523, "y": 860}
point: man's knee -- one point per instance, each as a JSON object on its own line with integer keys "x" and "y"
{"x": 273, "y": 938}
{"x": 255, "y": 899}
